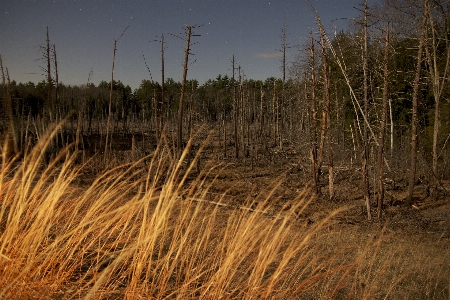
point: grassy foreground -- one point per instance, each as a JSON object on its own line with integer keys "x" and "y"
{"x": 144, "y": 230}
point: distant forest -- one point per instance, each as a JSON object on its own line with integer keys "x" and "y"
{"x": 381, "y": 88}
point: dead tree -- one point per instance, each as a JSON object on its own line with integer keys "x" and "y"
{"x": 49, "y": 79}
{"x": 365, "y": 139}
{"x": 57, "y": 98}
{"x": 326, "y": 119}
{"x": 111, "y": 95}
{"x": 363, "y": 164}
{"x": 187, "y": 50}
{"x": 438, "y": 74}
{"x": 275, "y": 112}
{"x": 13, "y": 147}
{"x": 158, "y": 110}
{"x": 383, "y": 124}
{"x": 235, "y": 112}
{"x": 161, "y": 112}
{"x": 415, "y": 101}
{"x": 313, "y": 118}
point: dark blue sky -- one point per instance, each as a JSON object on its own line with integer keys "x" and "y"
{"x": 84, "y": 32}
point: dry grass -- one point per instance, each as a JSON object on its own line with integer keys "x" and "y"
{"x": 140, "y": 230}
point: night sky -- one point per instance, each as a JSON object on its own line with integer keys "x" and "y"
{"x": 84, "y": 33}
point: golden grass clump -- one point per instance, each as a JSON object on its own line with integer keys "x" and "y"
{"x": 144, "y": 229}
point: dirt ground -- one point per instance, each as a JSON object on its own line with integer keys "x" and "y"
{"x": 420, "y": 235}
{"x": 244, "y": 178}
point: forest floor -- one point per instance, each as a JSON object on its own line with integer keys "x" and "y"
{"x": 415, "y": 240}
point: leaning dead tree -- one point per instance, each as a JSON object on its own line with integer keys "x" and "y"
{"x": 359, "y": 112}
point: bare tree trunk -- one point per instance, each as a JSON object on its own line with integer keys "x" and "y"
{"x": 49, "y": 80}
{"x": 261, "y": 117}
{"x": 56, "y": 82}
{"x": 281, "y": 110}
{"x": 155, "y": 113}
{"x": 415, "y": 100}
{"x": 365, "y": 169}
{"x": 110, "y": 96}
{"x": 57, "y": 104}
{"x": 383, "y": 125}
{"x": 275, "y": 112}
{"x": 224, "y": 136}
{"x": 313, "y": 119}
{"x": 324, "y": 121}
{"x": 284, "y": 51}
{"x": 436, "y": 81}
{"x": 235, "y": 114}
{"x": 110, "y": 103}
{"x": 9, "y": 118}
{"x": 161, "y": 109}
{"x": 183, "y": 88}
{"x": 326, "y": 125}
{"x": 391, "y": 118}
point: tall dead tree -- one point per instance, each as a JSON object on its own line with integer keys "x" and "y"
{"x": 159, "y": 103}
{"x": 57, "y": 98}
{"x": 326, "y": 119}
{"x": 415, "y": 103}
{"x": 283, "y": 92}
{"x": 324, "y": 111}
{"x": 49, "y": 79}
{"x": 284, "y": 46}
{"x": 235, "y": 111}
{"x": 275, "y": 113}
{"x": 187, "y": 50}
{"x": 111, "y": 95}
{"x": 383, "y": 124}
{"x": 313, "y": 118}
{"x": 161, "y": 111}
{"x": 365, "y": 142}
